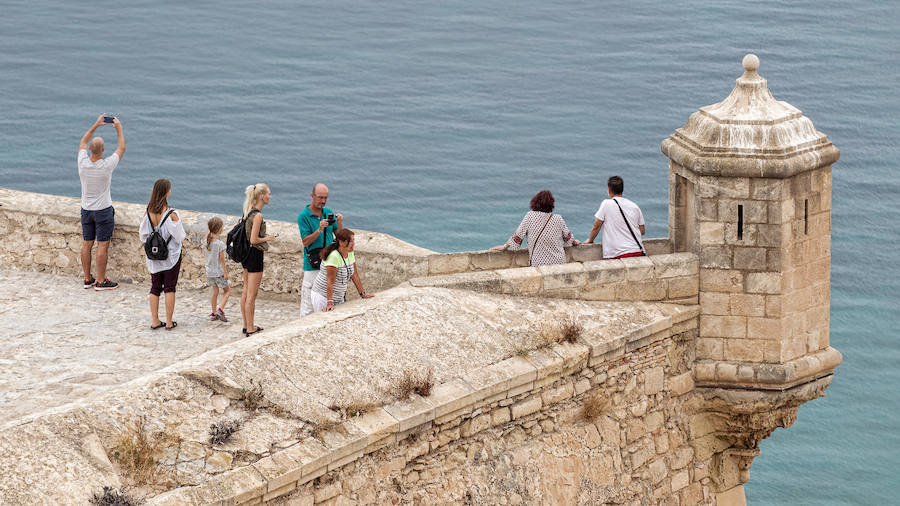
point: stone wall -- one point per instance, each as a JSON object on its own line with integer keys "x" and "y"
{"x": 512, "y": 432}
{"x": 50, "y": 231}
{"x": 667, "y": 277}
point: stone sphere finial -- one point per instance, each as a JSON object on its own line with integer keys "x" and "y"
{"x": 751, "y": 62}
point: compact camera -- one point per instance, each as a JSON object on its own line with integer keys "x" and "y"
{"x": 330, "y": 219}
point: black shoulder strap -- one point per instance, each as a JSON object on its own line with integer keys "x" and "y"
{"x": 163, "y": 220}
{"x": 641, "y": 246}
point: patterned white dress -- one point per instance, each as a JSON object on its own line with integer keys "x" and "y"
{"x": 544, "y": 248}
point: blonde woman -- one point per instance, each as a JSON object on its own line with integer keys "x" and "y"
{"x": 257, "y": 196}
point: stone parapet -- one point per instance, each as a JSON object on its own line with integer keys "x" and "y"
{"x": 666, "y": 277}
{"x": 49, "y": 227}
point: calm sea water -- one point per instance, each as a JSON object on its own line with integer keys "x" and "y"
{"x": 437, "y": 121}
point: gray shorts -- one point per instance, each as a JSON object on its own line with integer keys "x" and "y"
{"x": 220, "y": 281}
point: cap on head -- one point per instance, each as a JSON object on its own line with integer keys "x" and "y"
{"x": 97, "y": 145}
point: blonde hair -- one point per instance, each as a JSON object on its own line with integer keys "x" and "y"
{"x": 253, "y": 192}
{"x": 215, "y": 226}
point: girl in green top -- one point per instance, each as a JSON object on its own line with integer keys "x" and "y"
{"x": 338, "y": 268}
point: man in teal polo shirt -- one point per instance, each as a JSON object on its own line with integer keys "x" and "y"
{"x": 316, "y": 231}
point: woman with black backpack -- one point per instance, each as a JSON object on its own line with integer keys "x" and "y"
{"x": 257, "y": 196}
{"x": 162, "y": 234}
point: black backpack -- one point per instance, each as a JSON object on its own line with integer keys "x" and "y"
{"x": 237, "y": 244}
{"x": 155, "y": 246}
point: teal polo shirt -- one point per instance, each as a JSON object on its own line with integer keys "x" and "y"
{"x": 308, "y": 222}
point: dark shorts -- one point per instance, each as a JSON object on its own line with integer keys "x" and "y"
{"x": 254, "y": 260}
{"x": 165, "y": 281}
{"x": 98, "y": 224}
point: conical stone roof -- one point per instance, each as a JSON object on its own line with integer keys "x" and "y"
{"x": 750, "y": 134}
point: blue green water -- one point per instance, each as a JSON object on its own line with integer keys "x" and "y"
{"x": 437, "y": 121}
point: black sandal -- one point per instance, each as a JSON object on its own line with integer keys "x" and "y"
{"x": 174, "y": 324}
{"x": 161, "y": 325}
{"x": 258, "y": 330}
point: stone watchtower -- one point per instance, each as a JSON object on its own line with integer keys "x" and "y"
{"x": 750, "y": 194}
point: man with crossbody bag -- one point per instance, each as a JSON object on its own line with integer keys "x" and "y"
{"x": 317, "y": 225}
{"x": 618, "y": 217}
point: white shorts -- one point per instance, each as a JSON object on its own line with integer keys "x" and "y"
{"x": 309, "y": 279}
{"x": 319, "y": 301}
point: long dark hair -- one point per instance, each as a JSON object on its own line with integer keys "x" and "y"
{"x": 342, "y": 235}
{"x": 158, "y": 200}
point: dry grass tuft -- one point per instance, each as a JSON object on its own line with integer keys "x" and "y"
{"x": 112, "y": 497}
{"x": 595, "y": 404}
{"x": 221, "y": 431}
{"x": 413, "y": 382}
{"x": 136, "y": 452}
{"x": 253, "y": 397}
{"x": 566, "y": 330}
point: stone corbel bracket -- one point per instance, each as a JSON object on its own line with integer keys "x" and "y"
{"x": 738, "y": 405}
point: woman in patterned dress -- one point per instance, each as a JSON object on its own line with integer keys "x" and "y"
{"x": 549, "y": 232}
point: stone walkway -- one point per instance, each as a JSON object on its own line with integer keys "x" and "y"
{"x": 61, "y": 342}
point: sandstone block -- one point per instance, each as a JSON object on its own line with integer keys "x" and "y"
{"x": 558, "y": 394}
{"x": 654, "y": 380}
{"x": 638, "y": 268}
{"x": 712, "y": 233}
{"x": 526, "y": 407}
{"x": 763, "y": 282}
{"x": 582, "y": 386}
{"x": 654, "y": 421}
{"x": 310, "y": 454}
{"x": 740, "y": 304}
{"x": 278, "y": 470}
{"x": 239, "y": 485}
{"x": 723, "y": 326}
{"x": 475, "y": 425}
{"x": 714, "y": 303}
{"x": 726, "y": 372}
{"x": 451, "y": 396}
{"x": 708, "y": 209}
{"x": 683, "y": 287}
{"x": 657, "y": 471}
{"x": 448, "y": 264}
{"x": 521, "y": 281}
{"x": 642, "y": 291}
{"x": 674, "y": 265}
{"x": 764, "y": 328}
{"x": 680, "y": 480}
{"x": 563, "y": 276}
{"x": 585, "y": 253}
{"x": 682, "y": 457}
{"x": 500, "y": 416}
{"x": 326, "y": 492}
{"x": 711, "y": 348}
{"x": 490, "y": 260}
{"x": 716, "y": 257}
{"x": 750, "y": 258}
{"x": 681, "y": 384}
{"x": 719, "y": 280}
{"x": 640, "y": 456}
{"x": 605, "y": 271}
{"x": 412, "y": 412}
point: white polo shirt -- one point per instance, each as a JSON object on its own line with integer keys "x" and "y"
{"x": 617, "y": 240}
{"x": 95, "y": 180}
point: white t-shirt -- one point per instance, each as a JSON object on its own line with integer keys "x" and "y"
{"x": 617, "y": 240}
{"x": 169, "y": 229}
{"x": 95, "y": 179}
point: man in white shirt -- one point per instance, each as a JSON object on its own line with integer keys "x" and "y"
{"x": 620, "y": 219}
{"x": 97, "y": 213}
